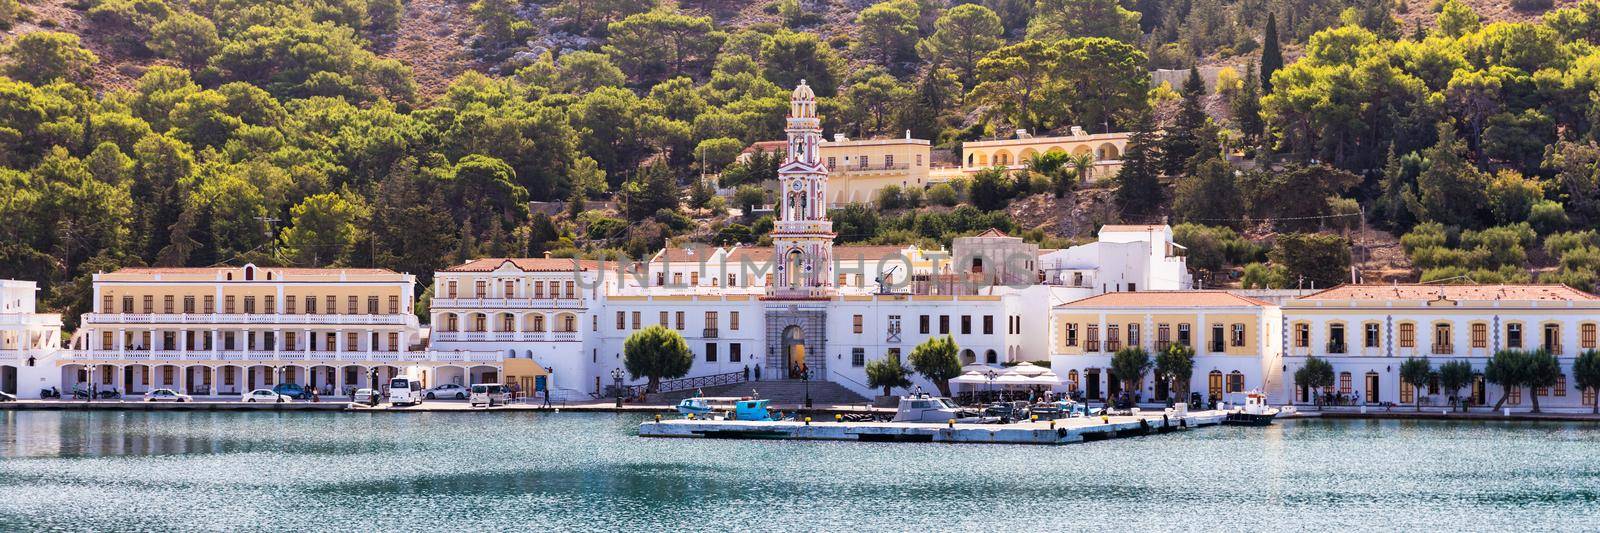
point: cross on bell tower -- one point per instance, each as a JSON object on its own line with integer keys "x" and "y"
{"x": 802, "y": 237}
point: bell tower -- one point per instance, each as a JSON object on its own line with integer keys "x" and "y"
{"x": 802, "y": 236}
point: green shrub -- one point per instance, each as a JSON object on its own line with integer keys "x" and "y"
{"x": 1547, "y": 216}
{"x": 1425, "y": 235}
{"x": 1557, "y": 244}
{"x": 943, "y": 194}
{"x": 1265, "y": 276}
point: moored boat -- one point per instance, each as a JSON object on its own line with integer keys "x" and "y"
{"x": 1254, "y": 412}
{"x": 698, "y": 406}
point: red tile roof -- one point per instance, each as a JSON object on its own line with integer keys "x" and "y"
{"x": 526, "y": 264}
{"x": 756, "y": 254}
{"x": 686, "y": 254}
{"x": 1417, "y": 291}
{"x": 1167, "y": 299}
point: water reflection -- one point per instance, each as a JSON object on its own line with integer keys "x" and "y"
{"x": 160, "y": 470}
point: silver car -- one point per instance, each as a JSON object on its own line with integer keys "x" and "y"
{"x": 166, "y": 395}
{"x": 448, "y": 390}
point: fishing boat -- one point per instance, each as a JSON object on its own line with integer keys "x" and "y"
{"x": 698, "y": 406}
{"x": 751, "y": 411}
{"x": 1254, "y": 412}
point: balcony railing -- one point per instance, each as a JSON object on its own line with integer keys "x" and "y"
{"x": 1337, "y": 347}
{"x": 237, "y": 318}
{"x": 503, "y": 336}
{"x": 1444, "y": 349}
{"x": 289, "y": 355}
{"x": 709, "y": 333}
{"x": 509, "y": 303}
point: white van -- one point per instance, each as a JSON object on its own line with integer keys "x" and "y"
{"x": 405, "y": 391}
{"x": 488, "y": 394}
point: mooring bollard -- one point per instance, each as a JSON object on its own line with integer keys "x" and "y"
{"x": 838, "y": 418}
{"x": 1105, "y": 419}
{"x": 691, "y": 416}
{"x": 658, "y": 418}
{"x": 951, "y": 422}
{"x": 1033, "y": 418}
{"x": 808, "y": 420}
{"x": 1052, "y": 424}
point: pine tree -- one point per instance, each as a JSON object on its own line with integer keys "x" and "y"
{"x": 1247, "y": 104}
{"x": 1138, "y": 187}
{"x": 1182, "y": 141}
{"x": 1271, "y": 55}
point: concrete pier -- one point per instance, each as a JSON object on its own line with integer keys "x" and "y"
{"x": 1063, "y": 431}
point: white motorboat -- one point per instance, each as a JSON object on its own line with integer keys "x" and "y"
{"x": 928, "y": 409}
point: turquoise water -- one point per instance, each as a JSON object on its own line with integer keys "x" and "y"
{"x": 497, "y": 471}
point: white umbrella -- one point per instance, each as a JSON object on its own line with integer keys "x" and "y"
{"x": 970, "y": 378}
{"x": 1027, "y": 369}
{"x": 1008, "y": 380}
{"x": 1048, "y": 379}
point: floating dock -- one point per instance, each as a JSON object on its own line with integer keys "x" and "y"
{"x": 1062, "y": 431}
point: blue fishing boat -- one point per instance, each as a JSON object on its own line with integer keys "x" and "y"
{"x": 751, "y": 411}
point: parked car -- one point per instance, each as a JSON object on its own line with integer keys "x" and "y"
{"x": 448, "y": 390}
{"x": 488, "y": 394}
{"x": 405, "y": 391}
{"x": 166, "y": 395}
{"x": 292, "y": 390}
{"x": 264, "y": 395}
{"x": 366, "y": 396}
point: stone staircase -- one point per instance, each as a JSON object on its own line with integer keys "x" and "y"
{"x": 780, "y": 392}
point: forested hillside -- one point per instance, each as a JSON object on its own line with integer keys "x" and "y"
{"x": 413, "y": 134}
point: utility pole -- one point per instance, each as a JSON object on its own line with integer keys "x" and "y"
{"x": 272, "y": 232}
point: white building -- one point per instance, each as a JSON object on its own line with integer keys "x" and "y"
{"x": 1124, "y": 258}
{"x": 29, "y": 340}
{"x": 1366, "y": 331}
{"x": 218, "y": 331}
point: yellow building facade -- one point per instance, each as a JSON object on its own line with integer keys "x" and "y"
{"x": 1014, "y": 153}
{"x": 1235, "y": 340}
{"x": 859, "y": 168}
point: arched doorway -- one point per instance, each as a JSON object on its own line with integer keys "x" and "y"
{"x": 794, "y": 349}
{"x": 795, "y": 264}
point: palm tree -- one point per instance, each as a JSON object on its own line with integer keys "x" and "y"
{"x": 1082, "y": 165}
{"x": 1586, "y": 373}
{"x": 1130, "y": 364}
{"x": 1506, "y": 369}
{"x": 1416, "y": 371}
{"x": 888, "y": 373}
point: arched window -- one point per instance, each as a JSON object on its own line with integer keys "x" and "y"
{"x": 1236, "y": 381}
{"x": 249, "y": 272}
{"x": 1214, "y": 384}
{"x": 1344, "y": 383}
{"x": 990, "y": 357}
{"x": 569, "y": 323}
{"x": 1072, "y": 381}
